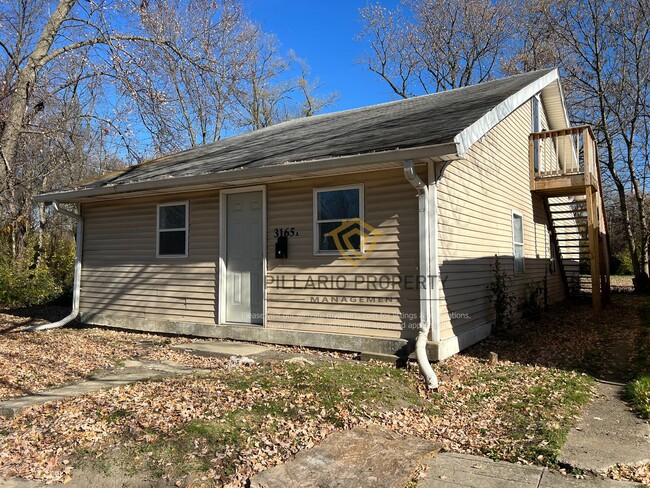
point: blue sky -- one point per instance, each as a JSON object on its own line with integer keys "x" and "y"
{"x": 323, "y": 34}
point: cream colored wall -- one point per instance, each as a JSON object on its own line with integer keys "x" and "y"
{"x": 476, "y": 198}
{"x": 122, "y": 277}
{"x": 390, "y": 207}
{"x": 121, "y": 274}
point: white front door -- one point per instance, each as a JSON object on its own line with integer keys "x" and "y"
{"x": 244, "y": 257}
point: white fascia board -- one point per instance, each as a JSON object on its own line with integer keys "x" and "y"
{"x": 482, "y": 126}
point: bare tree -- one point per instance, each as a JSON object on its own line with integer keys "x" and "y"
{"x": 432, "y": 45}
{"x": 270, "y": 93}
{"x": 601, "y": 46}
{"x": 89, "y": 86}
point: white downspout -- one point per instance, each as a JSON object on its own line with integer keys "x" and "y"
{"x": 424, "y": 267}
{"x": 77, "y": 273}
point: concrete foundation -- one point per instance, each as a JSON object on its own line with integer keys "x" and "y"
{"x": 258, "y": 333}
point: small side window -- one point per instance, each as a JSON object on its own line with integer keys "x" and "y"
{"x": 172, "y": 230}
{"x": 518, "y": 242}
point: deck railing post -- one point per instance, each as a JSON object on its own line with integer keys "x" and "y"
{"x": 593, "y": 234}
{"x": 531, "y": 160}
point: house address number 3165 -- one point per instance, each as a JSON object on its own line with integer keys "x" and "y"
{"x": 286, "y": 232}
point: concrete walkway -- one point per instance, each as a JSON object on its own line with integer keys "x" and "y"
{"x": 607, "y": 434}
{"x": 450, "y": 470}
{"x": 371, "y": 457}
{"x": 132, "y": 372}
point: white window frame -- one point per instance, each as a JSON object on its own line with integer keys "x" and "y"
{"x": 315, "y": 221}
{"x": 186, "y": 229}
{"x": 516, "y": 214}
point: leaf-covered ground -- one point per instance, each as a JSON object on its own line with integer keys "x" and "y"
{"x": 220, "y": 428}
{"x": 227, "y": 425}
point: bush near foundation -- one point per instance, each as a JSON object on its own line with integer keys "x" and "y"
{"x": 32, "y": 281}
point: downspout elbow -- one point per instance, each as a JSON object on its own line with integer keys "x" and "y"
{"x": 425, "y": 320}
{"x": 77, "y": 274}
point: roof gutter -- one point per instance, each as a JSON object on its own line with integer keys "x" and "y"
{"x": 424, "y": 270}
{"x": 234, "y": 176}
{"x": 77, "y": 274}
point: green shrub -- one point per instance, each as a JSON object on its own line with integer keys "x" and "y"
{"x": 621, "y": 264}
{"x": 22, "y": 286}
{"x": 26, "y": 283}
{"x": 502, "y": 297}
{"x": 638, "y": 394}
{"x": 59, "y": 257}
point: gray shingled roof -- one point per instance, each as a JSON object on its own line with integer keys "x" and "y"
{"x": 404, "y": 124}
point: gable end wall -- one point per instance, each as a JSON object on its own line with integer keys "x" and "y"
{"x": 476, "y": 199}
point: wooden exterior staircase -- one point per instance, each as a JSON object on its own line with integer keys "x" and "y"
{"x": 564, "y": 171}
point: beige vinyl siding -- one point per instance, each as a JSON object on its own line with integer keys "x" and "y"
{"x": 121, "y": 274}
{"x": 476, "y": 198}
{"x": 355, "y": 306}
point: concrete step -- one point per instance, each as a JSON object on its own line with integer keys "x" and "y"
{"x": 221, "y": 349}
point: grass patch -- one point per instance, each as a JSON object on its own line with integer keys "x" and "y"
{"x": 637, "y": 391}
{"x": 638, "y": 394}
{"x": 283, "y": 399}
{"x": 529, "y": 409}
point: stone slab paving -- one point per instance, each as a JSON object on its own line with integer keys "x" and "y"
{"x": 551, "y": 479}
{"x": 450, "y": 470}
{"x": 453, "y": 469}
{"x": 361, "y": 457}
{"x": 132, "y": 372}
{"x": 607, "y": 434}
{"x": 221, "y": 349}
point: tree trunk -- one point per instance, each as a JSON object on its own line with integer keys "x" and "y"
{"x": 25, "y": 82}
{"x": 42, "y": 220}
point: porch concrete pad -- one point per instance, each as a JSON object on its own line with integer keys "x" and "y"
{"x": 362, "y": 457}
{"x": 607, "y": 434}
{"x": 221, "y": 349}
{"x": 134, "y": 372}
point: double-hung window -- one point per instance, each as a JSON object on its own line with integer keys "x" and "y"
{"x": 172, "y": 229}
{"x": 518, "y": 242}
{"x": 338, "y": 213}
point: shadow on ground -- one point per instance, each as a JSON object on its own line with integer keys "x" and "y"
{"x": 612, "y": 348}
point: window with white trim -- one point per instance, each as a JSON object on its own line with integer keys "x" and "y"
{"x": 338, "y": 210}
{"x": 518, "y": 242}
{"x": 172, "y": 229}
